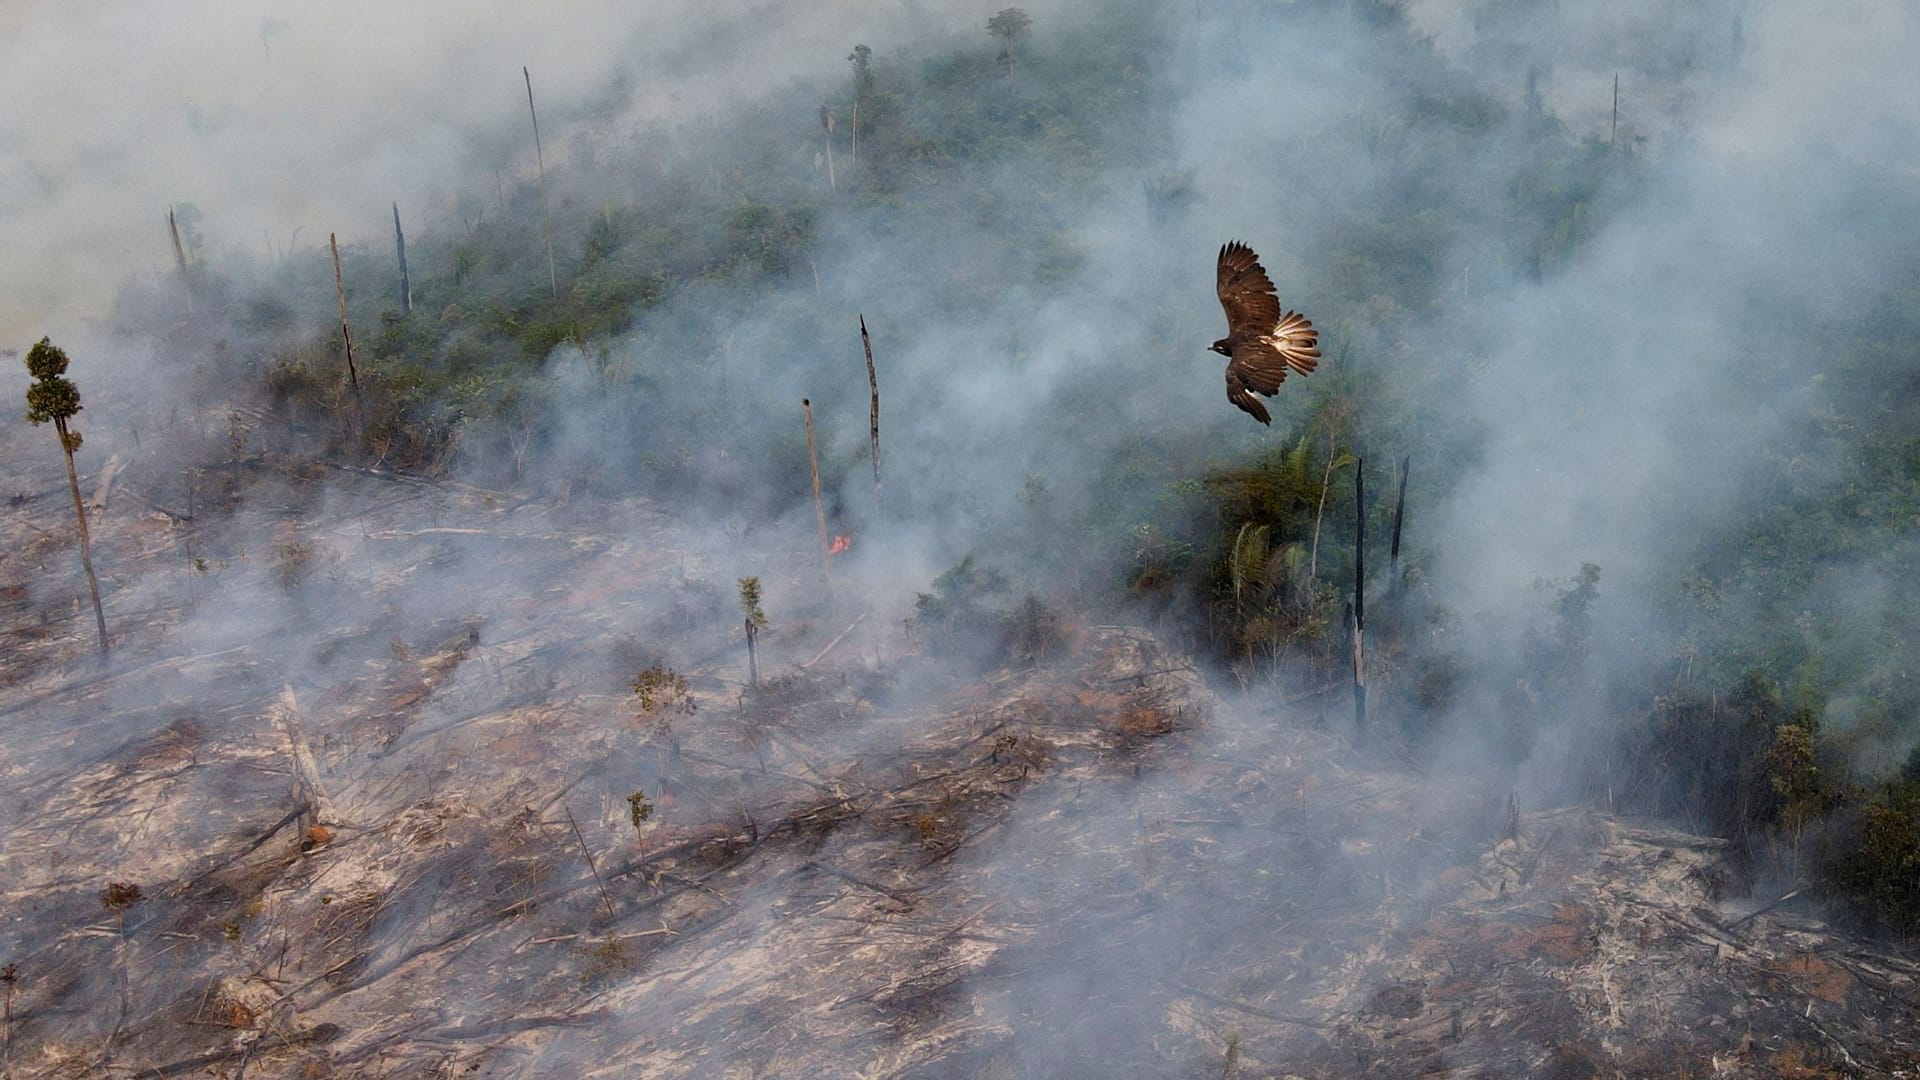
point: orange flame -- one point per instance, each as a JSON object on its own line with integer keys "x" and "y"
{"x": 840, "y": 544}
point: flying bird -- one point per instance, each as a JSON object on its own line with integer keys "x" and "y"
{"x": 1261, "y": 343}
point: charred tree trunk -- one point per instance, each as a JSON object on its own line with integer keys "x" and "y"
{"x": 539, "y": 158}
{"x": 346, "y": 329}
{"x": 8, "y": 976}
{"x": 605, "y": 897}
{"x": 180, "y": 259}
{"x": 400, "y": 245}
{"x": 753, "y": 659}
{"x": 1360, "y": 597}
{"x": 873, "y": 384}
{"x": 86, "y": 540}
{"x": 1399, "y": 514}
{"x": 819, "y": 508}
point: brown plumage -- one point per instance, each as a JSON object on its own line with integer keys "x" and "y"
{"x": 1261, "y": 343}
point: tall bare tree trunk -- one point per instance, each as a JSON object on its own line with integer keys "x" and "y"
{"x": 1399, "y": 515}
{"x": 180, "y": 259}
{"x": 86, "y": 540}
{"x": 819, "y": 508}
{"x": 1326, "y": 482}
{"x": 400, "y": 243}
{"x": 826, "y": 128}
{"x": 8, "y": 976}
{"x": 346, "y": 330}
{"x": 1360, "y": 597}
{"x": 540, "y": 159}
{"x": 873, "y": 384}
{"x": 1313, "y": 557}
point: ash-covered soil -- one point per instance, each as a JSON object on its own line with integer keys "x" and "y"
{"x": 391, "y": 809}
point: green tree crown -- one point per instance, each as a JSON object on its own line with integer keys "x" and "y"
{"x": 52, "y": 396}
{"x": 45, "y": 360}
{"x": 1010, "y": 25}
{"x": 750, "y": 602}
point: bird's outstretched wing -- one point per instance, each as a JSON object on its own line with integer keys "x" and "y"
{"x": 1246, "y": 292}
{"x": 1238, "y": 394}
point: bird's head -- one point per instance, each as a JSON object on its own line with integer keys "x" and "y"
{"x": 1221, "y": 348}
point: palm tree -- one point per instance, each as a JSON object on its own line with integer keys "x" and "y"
{"x": 1009, "y": 26}
{"x": 54, "y": 397}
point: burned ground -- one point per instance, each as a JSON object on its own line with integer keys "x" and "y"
{"x": 865, "y": 865}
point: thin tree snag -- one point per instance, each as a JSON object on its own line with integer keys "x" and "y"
{"x": 819, "y": 508}
{"x": 873, "y": 384}
{"x": 180, "y": 259}
{"x": 826, "y": 128}
{"x": 540, "y": 159}
{"x": 1326, "y": 485}
{"x": 288, "y": 716}
{"x": 605, "y": 898}
{"x": 346, "y": 329}
{"x": 400, "y": 243}
{"x": 86, "y": 540}
{"x": 1613, "y": 128}
{"x": 1399, "y": 515}
{"x": 1360, "y": 597}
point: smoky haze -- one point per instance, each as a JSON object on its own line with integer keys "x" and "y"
{"x": 269, "y": 118}
{"x": 1619, "y": 384}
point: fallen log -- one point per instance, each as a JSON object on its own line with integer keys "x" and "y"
{"x": 1243, "y": 1007}
{"x": 860, "y": 881}
{"x": 179, "y": 663}
{"x": 288, "y": 717}
{"x": 821, "y": 655}
{"x": 252, "y": 846}
{"x": 1757, "y": 912}
{"x": 105, "y": 485}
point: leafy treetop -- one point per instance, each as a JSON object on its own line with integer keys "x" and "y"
{"x": 750, "y": 602}
{"x": 1009, "y": 25}
{"x": 52, "y": 395}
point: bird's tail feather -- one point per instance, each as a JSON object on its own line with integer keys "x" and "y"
{"x": 1297, "y": 342}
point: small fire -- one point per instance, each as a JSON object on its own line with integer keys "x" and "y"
{"x": 840, "y": 544}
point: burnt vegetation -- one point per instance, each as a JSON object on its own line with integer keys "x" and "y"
{"x": 595, "y": 335}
